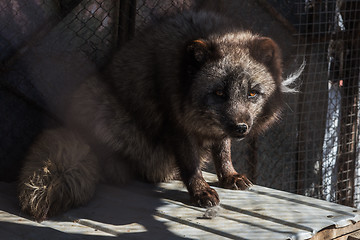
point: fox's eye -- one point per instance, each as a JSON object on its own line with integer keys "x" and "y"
{"x": 253, "y": 94}
{"x": 219, "y": 93}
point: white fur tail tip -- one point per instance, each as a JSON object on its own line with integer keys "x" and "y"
{"x": 289, "y": 85}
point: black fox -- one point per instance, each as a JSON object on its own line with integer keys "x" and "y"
{"x": 172, "y": 98}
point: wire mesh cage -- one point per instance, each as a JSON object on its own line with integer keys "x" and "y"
{"x": 322, "y": 148}
{"x": 47, "y": 47}
{"x": 329, "y": 32}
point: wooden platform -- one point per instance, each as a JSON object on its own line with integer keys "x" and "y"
{"x": 145, "y": 211}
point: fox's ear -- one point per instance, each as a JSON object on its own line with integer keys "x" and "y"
{"x": 200, "y": 51}
{"x": 266, "y": 51}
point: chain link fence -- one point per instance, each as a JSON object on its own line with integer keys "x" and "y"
{"x": 47, "y": 47}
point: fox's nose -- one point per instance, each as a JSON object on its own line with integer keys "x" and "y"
{"x": 242, "y": 128}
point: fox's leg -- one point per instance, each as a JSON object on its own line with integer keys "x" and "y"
{"x": 59, "y": 172}
{"x": 227, "y": 175}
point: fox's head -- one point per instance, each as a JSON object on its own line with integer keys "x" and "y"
{"x": 235, "y": 84}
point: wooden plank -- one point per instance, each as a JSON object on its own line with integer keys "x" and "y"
{"x": 346, "y": 233}
{"x": 355, "y": 235}
{"x": 25, "y": 229}
{"x": 144, "y": 211}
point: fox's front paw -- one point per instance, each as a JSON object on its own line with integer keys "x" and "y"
{"x": 206, "y": 198}
{"x": 236, "y": 181}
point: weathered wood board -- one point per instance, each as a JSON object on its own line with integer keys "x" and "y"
{"x": 163, "y": 211}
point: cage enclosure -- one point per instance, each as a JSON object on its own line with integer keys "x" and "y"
{"x": 48, "y": 47}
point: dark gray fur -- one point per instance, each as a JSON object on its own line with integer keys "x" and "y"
{"x": 170, "y": 100}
